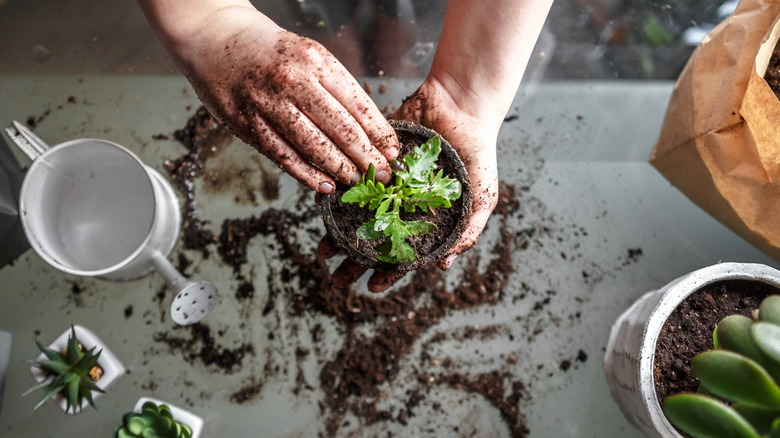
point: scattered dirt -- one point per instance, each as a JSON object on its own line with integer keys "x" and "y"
{"x": 202, "y": 136}
{"x": 386, "y": 338}
{"x": 199, "y": 345}
{"x": 688, "y": 330}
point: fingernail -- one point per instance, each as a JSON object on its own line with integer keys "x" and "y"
{"x": 326, "y": 188}
{"x": 382, "y": 175}
{"x": 450, "y": 260}
{"x": 391, "y": 153}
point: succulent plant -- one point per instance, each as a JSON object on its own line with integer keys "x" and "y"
{"x": 68, "y": 373}
{"x": 739, "y": 392}
{"x": 154, "y": 421}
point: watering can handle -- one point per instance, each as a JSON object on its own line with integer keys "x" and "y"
{"x": 29, "y": 143}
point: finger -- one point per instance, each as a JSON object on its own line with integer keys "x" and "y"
{"x": 271, "y": 144}
{"x": 380, "y": 281}
{"x": 467, "y": 240}
{"x": 344, "y": 88}
{"x": 310, "y": 142}
{"x": 327, "y": 247}
{"x": 347, "y": 273}
{"x": 341, "y": 127}
{"x": 485, "y": 200}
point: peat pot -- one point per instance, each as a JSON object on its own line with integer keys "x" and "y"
{"x": 332, "y": 208}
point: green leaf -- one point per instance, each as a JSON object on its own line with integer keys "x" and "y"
{"x": 437, "y": 192}
{"x": 367, "y": 231}
{"x": 383, "y": 207}
{"x": 423, "y": 160}
{"x": 705, "y": 417}
{"x": 419, "y": 228}
{"x": 761, "y": 419}
{"x": 736, "y": 378}
{"x": 767, "y": 337}
{"x": 363, "y": 192}
{"x": 733, "y": 334}
{"x": 769, "y": 310}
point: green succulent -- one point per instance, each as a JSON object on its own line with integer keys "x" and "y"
{"x": 67, "y": 373}
{"x": 153, "y": 422}
{"x": 739, "y": 394}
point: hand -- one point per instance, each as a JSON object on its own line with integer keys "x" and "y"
{"x": 473, "y": 137}
{"x": 286, "y": 96}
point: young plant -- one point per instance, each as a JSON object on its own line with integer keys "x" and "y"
{"x": 739, "y": 395}
{"x": 69, "y": 372}
{"x": 153, "y": 421}
{"x": 416, "y": 186}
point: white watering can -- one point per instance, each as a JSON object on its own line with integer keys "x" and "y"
{"x": 90, "y": 207}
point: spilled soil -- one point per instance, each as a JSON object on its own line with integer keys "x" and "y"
{"x": 387, "y": 340}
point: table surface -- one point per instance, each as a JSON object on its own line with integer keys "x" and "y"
{"x": 596, "y": 226}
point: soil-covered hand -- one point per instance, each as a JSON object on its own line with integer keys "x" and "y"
{"x": 473, "y": 137}
{"x": 285, "y": 95}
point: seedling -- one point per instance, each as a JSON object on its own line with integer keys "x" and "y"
{"x": 417, "y": 186}
{"x": 739, "y": 395}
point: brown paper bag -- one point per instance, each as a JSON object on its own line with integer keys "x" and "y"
{"x": 720, "y": 140}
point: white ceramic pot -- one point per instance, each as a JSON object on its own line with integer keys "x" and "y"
{"x": 628, "y": 362}
{"x": 179, "y": 414}
{"x": 112, "y": 367}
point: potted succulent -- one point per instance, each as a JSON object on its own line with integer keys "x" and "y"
{"x": 413, "y": 220}
{"x": 151, "y": 417}
{"x": 631, "y": 355}
{"x": 743, "y": 371}
{"x": 75, "y": 369}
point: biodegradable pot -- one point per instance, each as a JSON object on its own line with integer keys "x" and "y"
{"x": 630, "y": 354}
{"x": 181, "y": 415}
{"x": 362, "y": 252}
{"x": 112, "y": 367}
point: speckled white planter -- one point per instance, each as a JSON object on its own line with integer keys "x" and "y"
{"x": 628, "y": 362}
{"x": 179, "y": 414}
{"x": 112, "y": 368}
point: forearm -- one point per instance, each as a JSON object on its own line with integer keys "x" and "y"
{"x": 484, "y": 50}
{"x": 184, "y": 27}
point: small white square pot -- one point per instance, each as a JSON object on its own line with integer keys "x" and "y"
{"x": 112, "y": 368}
{"x": 179, "y": 414}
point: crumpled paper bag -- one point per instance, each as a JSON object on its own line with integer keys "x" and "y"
{"x": 720, "y": 140}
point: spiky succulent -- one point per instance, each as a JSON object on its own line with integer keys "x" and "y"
{"x": 154, "y": 421}
{"x": 67, "y": 373}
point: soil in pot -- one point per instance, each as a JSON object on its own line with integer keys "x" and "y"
{"x": 688, "y": 330}
{"x": 772, "y": 74}
{"x": 349, "y": 217}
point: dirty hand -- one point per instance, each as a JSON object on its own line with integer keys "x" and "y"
{"x": 473, "y": 137}
{"x": 283, "y": 94}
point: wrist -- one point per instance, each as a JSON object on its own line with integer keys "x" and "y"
{"x": 188, "y": 29}
{"x": 477, "y": 108}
